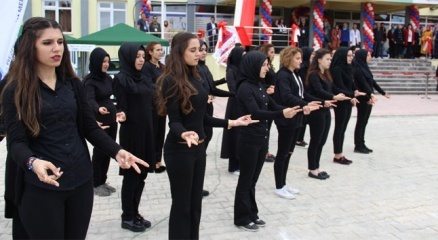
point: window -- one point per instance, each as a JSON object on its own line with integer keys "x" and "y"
{"x": 110, "y": 14}
{"x": 59, "y": 11}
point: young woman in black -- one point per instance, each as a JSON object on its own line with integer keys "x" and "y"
{"x": 342, "y": 74}
{"x": 99, "y": 88}
{"x": 289, "y": 91}
{"x": 183, "y": 98}
{"x": 253, "y": 140}
{"x": 365, "y": 83}
{"x": 319, "y": 86}
{"x": 307, "y": 58}
{"x": 229, "y": 138}
{"x": 153, "y": 69}
{"x": 134, "y": 94}
{"x": 48, "y": 121}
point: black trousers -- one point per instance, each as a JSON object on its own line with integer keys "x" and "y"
{"x": 48, "y": 214}
{"x": 363, "y": 114}
{"x": 101, "y": 160}
{"x": 186, "y": 171}
{"x": 252, "y": 157}
{"x": 319, "y": 124}
{"x": 286, "y": 144}
{"x": 233, "y": 159}
{"x": 409, "y": 50}
{"x": 132, "y": 189}
{"x": 159, "y": 124}
{"x": 398, "y": 50}
{"x": 342, "y": 117}
{"x": 212, "y": 40}
{"x": 302, "y": 130}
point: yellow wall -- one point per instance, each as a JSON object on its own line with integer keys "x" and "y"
{"x": 428, "y": 12}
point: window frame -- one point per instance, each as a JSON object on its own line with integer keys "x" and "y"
{"x": 111, "y": 10}
{"x": 57, "y": 9}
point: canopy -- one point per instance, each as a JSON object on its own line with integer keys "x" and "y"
{"x": 118, "y": 34}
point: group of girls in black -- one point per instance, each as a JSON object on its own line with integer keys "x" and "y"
{"x": 49, "y": 114}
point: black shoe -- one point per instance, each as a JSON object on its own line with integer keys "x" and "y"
{"x": 361, "y": 150}
{"x": 270, "y": 158}
{"x": 133, "y": 225}
{"x": 146, "y": 223}
{"x": 369, "y": 150}
{"x": 342, "y": 161}
{"x": 252, "y": 227}
{"x": 301, "y": 143}
{"x": 259, "y": 222}
{"x": 320, "y": 176}
{"x": 160, "y": 169}
{"x": 205, "y": 193}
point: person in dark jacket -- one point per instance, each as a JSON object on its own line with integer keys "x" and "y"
{"x": 229, "y": 138}
{"x": 99, "y": 88}
{"x": 365, "y": 83}
{"x": 134, "y": 93}
{"x": 379, "y": 39}
{"x": 181, "y": 95}
{"x": 399, "y": 41}
{"x": 48, "y": 121}
{"x": 319, "y": 87}
{"x": 289, "y": 92}
{"x": 153, "y": 69}
{"x": 253, "y": 140}
{"x": 342, "y": 75}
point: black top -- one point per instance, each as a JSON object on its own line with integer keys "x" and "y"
{"x": 252, "y": 98}
{"x": 342, "y": 74}
{"x": 152, "y": 71}
{"x": 209, "y": 83}
{"x": 99, "y": 88}
{"x": 66, "y": 120}
{"x": 307, "y": 52}
{"x": 143, "y": 25}
{"x": 363, "y": 77}
{"x": 318, "y": 88}
{"x": 193, "y": 121}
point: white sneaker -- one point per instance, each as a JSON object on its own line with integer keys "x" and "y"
{"x": 237, "y": 173}
{"x": 292, "y": 190}
{"x": 284, "y": 194}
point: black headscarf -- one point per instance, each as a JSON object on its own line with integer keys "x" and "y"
{"x": 201, "y": 42}
{"x": 360, "y": 63}
{"x": 235, "y": 57}
{"x": 307, "y": 52}
{"x": 250, "y": 67}
{"x": 127, "y": 55}
{"x": 339, "y": 61}
{"x": 96, "y": 59}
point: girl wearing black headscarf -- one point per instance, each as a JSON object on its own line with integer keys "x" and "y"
{"x": 134, "y": 95}
{"x": 307, "y": 57}
{"x": 342, "y": 75}
{"x": 365, "y": 83}
{"x": 253, "y": 140}
{"x": 229, "y": 138}
{"x": 99, "y": 88}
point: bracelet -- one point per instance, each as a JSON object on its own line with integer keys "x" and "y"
{"x": 30, "y": 163}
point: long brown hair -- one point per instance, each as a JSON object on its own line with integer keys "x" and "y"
{"x": 176, "y": 75}
{"x": 150, "y": 47}
{"x": 314, "y": 66}
{"x": 265, "y": 49}
{"x": 23, "y": 77}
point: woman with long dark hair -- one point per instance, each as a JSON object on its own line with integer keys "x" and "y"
{"x": 342, "y": 74}
{"x": 99, "y": 88}
{"x": 364, "y": 79}
{"x": 134, "y": 93}
{"x": 48, "y": 121}
{"x": 229, "y": 138}
{"x": 319, "y": 85}
{"x": 153, "y": 69}
{"x": 181, "y": 95}
{"x": 253, "y": 140}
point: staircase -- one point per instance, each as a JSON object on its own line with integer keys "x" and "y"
{"x": 404, "y": 76}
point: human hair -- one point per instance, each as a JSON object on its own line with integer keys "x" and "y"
{"x": 265, "y": 49}
{"x": 314, "y": 66}
{"x": 23, "y": 73}
{"x": 287, "y": 54}
{"x": 150, "y": 47}
{"x": 176, "y": 75}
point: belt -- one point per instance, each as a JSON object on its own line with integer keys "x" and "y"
{"x": 199, "y": 141}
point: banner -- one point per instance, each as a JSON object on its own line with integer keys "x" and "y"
{"x": 11, "y": 13}
{"x": 227, "y": 38}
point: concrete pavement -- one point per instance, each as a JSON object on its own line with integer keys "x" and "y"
{"x": 389, "y": 194}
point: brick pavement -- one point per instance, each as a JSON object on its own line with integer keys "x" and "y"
{"x": 389, "y": 194}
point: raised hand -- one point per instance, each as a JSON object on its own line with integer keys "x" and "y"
{"x": 103, "y": 111}
{"x": 357, "y": 93}
{"x": 241, "y": 121}
{"x": 354, "y": 101}
{"x": 329, "y": 103}
{"x": 41, "y": 167}
{"x": 291, "y": 112}
{"x": 102, "y": 126}
{"x": 190, "y": 137}
{"x": 127, "y": 160}
{"x": 341, "y": 97}
{"x": 120, "y": 117}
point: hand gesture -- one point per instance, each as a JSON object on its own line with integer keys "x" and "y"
{"x": 103, "y": 111}
{"x": 387, "y": 96}
{"x": 357, "y": 93}
{"x": 291, "y": 112}
{"x": 41, "y": 167}
{"x": 329, "y": 103}
{"x": 242, "y": 121}
{"x": 341, "y": 97}
{"x": 102, "y": 126}
{"x": 314, "y": 103}
{"x": 310, "y": 108}
{"x": 354, "y": 101}
{"x": 127, "y": 160}
{"x": 120, "y": 117}
{"x": 191, "y": 137}
{"x": 210, "y": 99}
{"x": 270, "y": 90}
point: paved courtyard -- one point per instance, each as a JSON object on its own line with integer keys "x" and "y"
{"x": 389, "y": 194}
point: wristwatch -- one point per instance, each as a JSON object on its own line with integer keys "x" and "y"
{"x": 30, "y": 163}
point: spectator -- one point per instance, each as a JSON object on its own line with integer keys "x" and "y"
{"x": 327, "y": 32}
{"x": 355, "y": 36}
{"x": 435, "y": 45}
{"x": 304, "y": 35}
{"x": 379, "y": 39}
{"x": 167, "y": 29}
{"x": 398, "y": 39}
{"x": 212, "y": 34}
{"x": 345, "y": 35}
{"x": 143, "y": 23}
{"x": 155, "y": 27}
{"x": 409, "y": 40}
{"x": 335, "y": 38}
{"x": 391, "y": 41}
{"x": 426, "y": 42}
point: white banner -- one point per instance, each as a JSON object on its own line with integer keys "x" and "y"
{"x": 228, "y": 37}
{"x": 11, "y": 15}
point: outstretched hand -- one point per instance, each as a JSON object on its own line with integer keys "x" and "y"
{"x": 190, "y": 137}
{"x": 241, "y": 121}
{"x": 291, "y": 112}
{"x": 127, "y": 160}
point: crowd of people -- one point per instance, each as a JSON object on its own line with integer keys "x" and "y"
{"x": 49, "y": 114}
